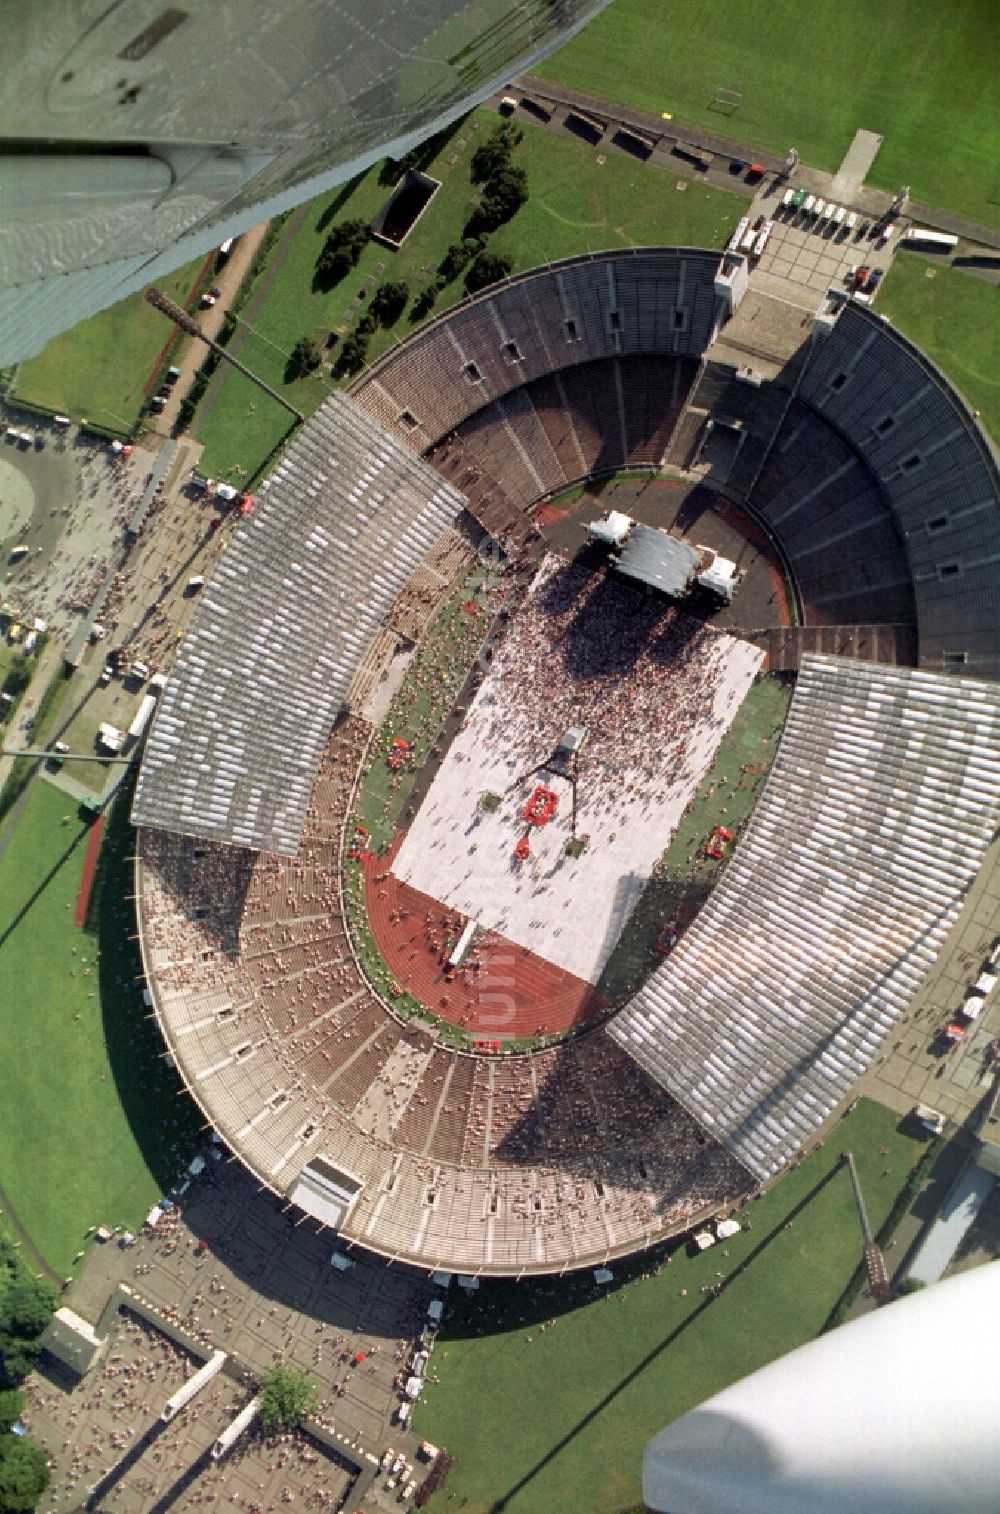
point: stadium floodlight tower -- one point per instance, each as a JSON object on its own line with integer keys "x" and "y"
{"x": 135, "y": 136}
{"x": 187, "y": 323}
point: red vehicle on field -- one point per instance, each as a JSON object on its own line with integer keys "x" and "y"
{"x": 717, "y": 842}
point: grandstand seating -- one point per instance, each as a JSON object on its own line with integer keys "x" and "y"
{"x": 341, "y": 525}
{"x": 659, "y": 302}
{"x": 516, "y": 1163}
{"x": 836, "y": 530}
{"x": 873, "y": 823}
{"x": 935, "y": 468}
{"x": 834, "y": 903}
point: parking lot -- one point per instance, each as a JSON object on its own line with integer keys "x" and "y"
{"x": 808, "y": 255}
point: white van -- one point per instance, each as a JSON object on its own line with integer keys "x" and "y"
{"x": 930, "y": 1119}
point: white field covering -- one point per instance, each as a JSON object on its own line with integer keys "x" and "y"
{"x": 656, "y": 690}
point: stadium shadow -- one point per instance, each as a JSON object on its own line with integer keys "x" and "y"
{"x": 628, "y": 892}
{"x": 611, "y": 626}
{"x": 503, "y": 1502}
{"x": 146, "y": 1086}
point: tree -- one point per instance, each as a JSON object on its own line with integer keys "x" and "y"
{"x": 306, "y": 357}
{"x": 287, "y": 1396}
{"x": 495, "y": 152}
{"x": 488, "y": 268}
{"x": 909, "y": 1285}
{"x": 11, "y": 1405}
{"x": 18, "y": 675}
{"x": 502, "y": 198}
{"x": 424, "y": 303}
{"x": 353, "y": 352}
{"x": 334, "y": 264}
{"x": 341, "y": 250}
{"x": 27, "y": 1308}
{"x": 24, "y": 1473}
{"x": 458, "y": 256}
{"x": 389, "y": 301}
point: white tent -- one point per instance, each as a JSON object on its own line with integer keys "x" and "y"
{"x": 721, "y": 578}
{"x": 612, "y": 529}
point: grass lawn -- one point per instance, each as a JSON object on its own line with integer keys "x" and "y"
{"x": 685, "y": 876}
{"x": 574, "y": 206}
{"x": 921, "y": 73}
{"x": 542, "y": 1417}
{"x": 955, "y": 319}
{"x": 441, "y": 666}
{"x": 100, "y": 367}
{"x": 89, "y": 1112}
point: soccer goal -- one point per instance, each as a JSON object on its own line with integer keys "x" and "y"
{"x": 727, "y": 101}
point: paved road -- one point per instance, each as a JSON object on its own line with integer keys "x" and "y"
{"x": 210, "y": 321}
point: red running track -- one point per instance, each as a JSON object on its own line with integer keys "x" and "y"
{"x": 89, "y": 866}
{"x": 502, "y": 991}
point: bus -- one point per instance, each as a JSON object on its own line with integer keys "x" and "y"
{"x": 932, "y": 241}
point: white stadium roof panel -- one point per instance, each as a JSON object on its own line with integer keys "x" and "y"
{"x": 280, "y": 631}
{"x": 829, "y": 914}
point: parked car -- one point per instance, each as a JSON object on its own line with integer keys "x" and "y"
{"x": 717, "y": 841}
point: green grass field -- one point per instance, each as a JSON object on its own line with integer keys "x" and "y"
{"x": 955, "y": 319}
{"x": 575, "y": 205}
{"x": 922, "y": 74}
{"x": 92, "y": 1129}
{"x": 685, "y": 876}
{"x": 543, "y": 1417}
{"x": 99, "y": 368}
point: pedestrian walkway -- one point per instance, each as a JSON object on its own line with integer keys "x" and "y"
{"x": 853, "y": 171}
{"x": 70, "y": 786}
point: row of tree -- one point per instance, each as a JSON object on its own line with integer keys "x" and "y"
{"x": 26, "y": 1306}
{"x": 503, "y": 189}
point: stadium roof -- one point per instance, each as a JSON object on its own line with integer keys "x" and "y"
{"x": 894, "y": 1413}
{"x": 874, "y": 821}
{"x": 280, "y": 631}
{"x": 658, "y": 559}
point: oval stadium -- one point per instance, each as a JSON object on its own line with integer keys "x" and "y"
{"x": 411, "y": 1027}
